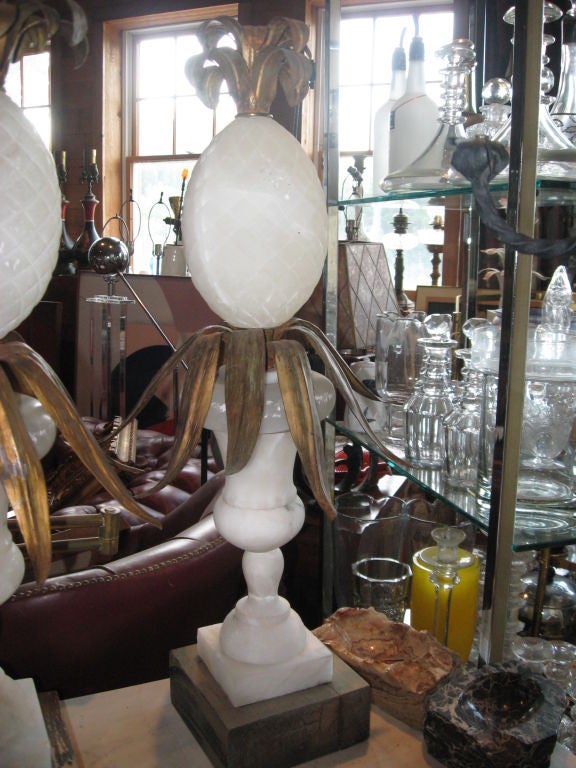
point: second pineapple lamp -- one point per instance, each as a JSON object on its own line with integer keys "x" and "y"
{"x": 255, "y": 247}
{"x": 173, "y": 259}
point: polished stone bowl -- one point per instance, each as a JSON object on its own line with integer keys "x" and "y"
{"x": 500, "y": 699}
{"x": 504, "y": 716}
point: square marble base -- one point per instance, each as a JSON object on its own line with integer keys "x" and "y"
{"x": 283, "y": 731}
{"x": 24, "y": 740}
{"x": 246, "y": 683}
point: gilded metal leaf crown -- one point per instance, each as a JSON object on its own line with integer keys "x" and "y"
{"x": 27, "y": 26}
{"x": 265, "y": 56}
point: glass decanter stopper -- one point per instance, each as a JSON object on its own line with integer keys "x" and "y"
{"x": 495, "y": 111}
{"x": 432, "y": 168}
{"x": 445, "y": 590}
{"x": 432, "y": 401}
{"x": 563, "y": 110}
{"x": 437, "y": 326}
{"x": 557, "y": 304}
{"x": 556, "y": 156}
{"x": 550, "y": 337}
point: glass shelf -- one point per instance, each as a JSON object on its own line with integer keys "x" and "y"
{"x": 413, "y": 194}
{"x": 547, "y": 528}
{"x": 549, "y": 192}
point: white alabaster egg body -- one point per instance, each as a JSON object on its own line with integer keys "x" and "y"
{"x": 254, "y": 224}
{"x": 30, "y": 216}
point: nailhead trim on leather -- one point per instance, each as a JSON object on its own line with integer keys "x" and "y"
{"x": 46, "y": 590}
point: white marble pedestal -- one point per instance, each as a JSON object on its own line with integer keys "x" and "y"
{"x": 24, "y": 740}
{"x": 245, "y": 683}
{"x": 282, "y": 731}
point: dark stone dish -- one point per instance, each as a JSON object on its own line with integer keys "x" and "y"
{"x": 496, "y": 717}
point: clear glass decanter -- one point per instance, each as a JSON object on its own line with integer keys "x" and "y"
{"x": 563, "y": 110}
{"x": 462, "y": 429}
{"x": 398, "y": 365}
{"x": 432, "y": 401}
{"x": 462, "y": 426}
{"x": 432, "y": 168}
{"x": 495, "y": 111}
{"x": 556, "y": 154}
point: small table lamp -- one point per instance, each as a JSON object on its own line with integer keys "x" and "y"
{"x": 433, "y": 238}
{"x": 400, "y": 240}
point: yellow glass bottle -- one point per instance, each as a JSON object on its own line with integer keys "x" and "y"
{"x": 444, "y": 596}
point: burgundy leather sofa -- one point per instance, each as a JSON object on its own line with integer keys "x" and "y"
{"x": 113, "y": 624}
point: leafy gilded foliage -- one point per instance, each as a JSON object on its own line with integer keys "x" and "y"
{"x": 263, "y": 58}
{"x": 247, "y": 354}
{"x": 25, "y": 371}
{"x": 27, "y": 26}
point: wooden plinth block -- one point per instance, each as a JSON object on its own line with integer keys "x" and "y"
{"x": 283, "y": 731}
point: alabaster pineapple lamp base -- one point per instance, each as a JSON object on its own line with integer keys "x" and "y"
{"x": 23, "y": 737}
{"x": 260, "y": 682}
{"x": 246, "y": 683}
{"x": 262, "y": 649}
{"x": 259, "y": 688}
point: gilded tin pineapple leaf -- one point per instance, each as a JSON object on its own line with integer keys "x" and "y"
{"x": 194, "y": 403}
{"x": 264, "y": 57}
{"x": 229, "y": 66}
{"x": 23, "y": 481}
{"x": 344, "y": 381}
{"x": 26, "y": 26}
{"x": 75, "y": 30}
{"x": 319, "y": 341}
{"x": 295, "y": 77}
{"x": 296, "y": 388}
{"x": 175, "y": 359}
{"x": 244, "y": 394}
{"x": 34, "y": 375}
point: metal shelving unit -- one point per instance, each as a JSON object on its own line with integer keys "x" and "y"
{"x": 521, "y": 189}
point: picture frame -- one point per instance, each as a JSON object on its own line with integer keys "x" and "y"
{"x": 445, "y": 298}
{"x": 434, "y": 299}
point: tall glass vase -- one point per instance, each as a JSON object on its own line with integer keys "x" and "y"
{"x": 556, "y": 157}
